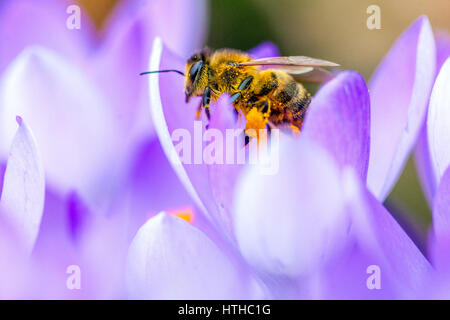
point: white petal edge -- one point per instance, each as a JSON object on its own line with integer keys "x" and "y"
{"x": 438, "y": 122}
{"x": 53, "y": 95}
{"x": 425, "y": 51}
{"x": 170, "y": 259}
{"x": 288, "y": 232}
{"x": 161, "y": 128}
{"x": 22, "y": 199}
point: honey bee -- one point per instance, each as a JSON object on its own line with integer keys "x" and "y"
{"x": 266, "y": 91}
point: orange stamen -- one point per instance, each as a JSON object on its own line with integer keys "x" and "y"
{"x": 186, "y": 214}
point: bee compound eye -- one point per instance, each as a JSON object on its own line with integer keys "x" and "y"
{"x": 196, "y": 67}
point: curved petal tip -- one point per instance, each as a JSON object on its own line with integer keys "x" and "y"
{"x": 339, "y": 120}
{"x": 399, "y": 92}
{"x": 22, "y": 198}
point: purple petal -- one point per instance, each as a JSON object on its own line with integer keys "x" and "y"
{"x": 438, "y": 131}
{"x": 441, "y": 208}
{"x": 54, "y": 251}
{"x": 166, "y": 99}
{"x": 153, "y": 186}
{"x": 339, "y": 120}
{"x": 422, "y": 160}
{"x": 2, "y": 174}
{"x": 264, "y": 50}
{"x": 71, "y": 121}
{"x": 442, "y": 40}
{"x": 399, "y": 93}
{"x": 171, "y": 114}
{"x": 28, "y": 22}
{"x": 22, "y": 199}
{"x": 223, "y": 176}
{"x": 187, "y": 21}
{"x": 98, "y": 248}
{"x": 422, "y": 153}
{"x": 379, "y": 234}
{"x": 346, "y": 277}
{"x": 170, "y": 259}
{"x": 115, "y": 68}
{"x": 283, "y": 225}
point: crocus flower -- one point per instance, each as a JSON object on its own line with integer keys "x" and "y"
{"x": 86, "y": 128}
{"x": 90, "y": 96}
{"x": 313, "y": 229}
{"x": 438, "y": 137}
{"x": 82, "y": 170}
{"x": 429, "y": 146}
{"x": 400, "y": 89}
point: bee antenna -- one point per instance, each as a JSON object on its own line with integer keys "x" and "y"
{"x": 159, "y": 71}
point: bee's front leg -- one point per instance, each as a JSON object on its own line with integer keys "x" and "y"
{"x": 206, "y": 100}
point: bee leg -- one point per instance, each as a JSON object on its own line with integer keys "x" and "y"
{"x": 234, "y": 97}
{"x": 269, "y": 129}
{"x": 208, "y": 115}
{"x": 199, "y": 110}
{"x": 265, "y": 108}
{"x": 245, "y": 83}
{"x": 206, "y": 100}
{"x": 245, "y": 138}
{"x": 242, "y": 86}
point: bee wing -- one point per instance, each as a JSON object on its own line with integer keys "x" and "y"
{"x": 301, "y": 67}
{"x": 300, "y": 61}
{"x": 317, "y": 75}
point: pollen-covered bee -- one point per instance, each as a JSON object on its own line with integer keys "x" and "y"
{"x": 265, "y": 90}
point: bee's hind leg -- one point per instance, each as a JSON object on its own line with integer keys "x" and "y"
{"x": 269, "y": 129}
{"x": 204, "y": 103}
{"x": 257, "y": 120}
{"x": 206, "y": 100}
{"x": 198, "y": 113}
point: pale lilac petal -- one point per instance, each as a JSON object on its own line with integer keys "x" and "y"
{"x": 96, "y": 244}
{"x": 290, "y": 231}
{"x": 264, "y": 50}
{"x": 167, "y": 104}
{"x": 170, "y": 259}
{"x": 439, "y": 240}
{"x": 223, "y": 175}
{"x": 422, "y": 152}
{"x": 347, "y": 276}
{"x": 376, "y": 244}
{"x": 29, "y": 22}
{"x": 172, "y": 115}
{"x": 441, "y": 207}
{"x": 438, "y": 130}
{"x": 187, "y": 22}
{"x": 399, "y": 93}
{"x": 153, "y": 187}
{"x": 379, "y": 234}
{"x": 422, "y": 160}
{"x": 2, "y": 174}
{"x": 71, "y": 121}
{"x": 22, "y": 198}
{"x": 339, "y": 120}
{"x": 57, "y": 247}
{"x": 14, "y": 261}
{"x": 442, "y": 40}
{"x": 115, "y": 68}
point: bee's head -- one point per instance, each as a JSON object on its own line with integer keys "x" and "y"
{"x": 196, "y": 75}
